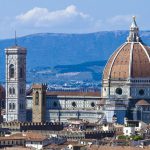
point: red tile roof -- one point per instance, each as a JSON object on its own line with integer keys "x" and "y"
{"x": 97, "y": 94}
{"x": 129, "y": 61}
{"x": 142, "y": 103}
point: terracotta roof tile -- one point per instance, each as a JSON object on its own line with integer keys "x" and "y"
{"x": 119, "y": 63}
{"x": 142, "y": 102}
{"x": 74, "y": 94}
{"x": 33, "y": 136}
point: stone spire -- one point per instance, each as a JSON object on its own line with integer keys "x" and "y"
{"x": 134, "y": 32}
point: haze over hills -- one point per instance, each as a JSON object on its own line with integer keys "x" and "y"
{"x": 53, "y": 57}
{"x": 69, "y": 76}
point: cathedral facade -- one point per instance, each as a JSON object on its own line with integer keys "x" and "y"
{"x": 125, "y": 89}
{"x": 62, "y": 105}
{"x": 126, "y": 79}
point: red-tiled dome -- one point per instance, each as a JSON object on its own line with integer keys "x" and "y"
{"x": 131, "y": 60}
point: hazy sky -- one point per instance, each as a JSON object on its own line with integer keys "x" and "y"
{"x": 70, "y": 16}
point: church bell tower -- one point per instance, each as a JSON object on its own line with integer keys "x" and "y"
{"x": 15, "y": 83}
{"x": 39, "y": 102}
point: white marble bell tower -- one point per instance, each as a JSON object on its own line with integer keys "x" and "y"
{"x": 15, "y": 83}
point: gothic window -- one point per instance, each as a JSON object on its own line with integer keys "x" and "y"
{"x": 11, "y": 71}
{"x": 37, "y": 98}
{"x": 10, "y": 91}
{"x": 10, "y": 106}
{"x": 21, "y": 73}
{"x": 13, "y": 106}
{"x": 13, "y": 91}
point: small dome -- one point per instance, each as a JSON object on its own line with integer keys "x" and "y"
{"x": 142, "y": 103}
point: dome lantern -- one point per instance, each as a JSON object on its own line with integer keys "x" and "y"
{"x": 134, "y": 32}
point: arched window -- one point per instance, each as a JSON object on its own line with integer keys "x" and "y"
{"x": 10, "y": 91}
{"x": 10, "y": 106}
{"x": 13, "y": 91}
{"x": 21, "y": 73}
{"x": 37, "y": 98}
{"x": 11, "y": 71}
{"x": 13, "y": 106}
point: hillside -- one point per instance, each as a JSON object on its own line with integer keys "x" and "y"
{"x": 50, "y": 50}
{"x": 70, "y": 76}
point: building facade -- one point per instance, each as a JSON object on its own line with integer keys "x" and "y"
{"x": 39, "y": 103}
{"x": 15, "y": 83}
{"x": 126, "y": 77}
{"x": 61, "y": 106}
{"x": 2, "y": 102}
{"x": 125, "y": 89}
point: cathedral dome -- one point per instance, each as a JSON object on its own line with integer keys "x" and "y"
{"x": 130, "y": 60}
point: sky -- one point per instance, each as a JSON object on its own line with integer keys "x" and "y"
{"x": 70, "y": 16}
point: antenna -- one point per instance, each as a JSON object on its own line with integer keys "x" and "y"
{"x": 15, "y": 39}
